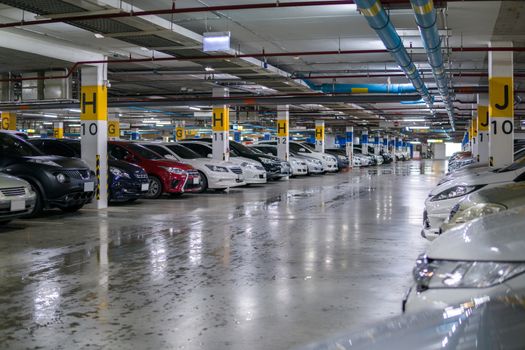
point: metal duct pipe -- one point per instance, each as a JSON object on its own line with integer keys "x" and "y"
{"x": 426, "y": 18}
{"x": 362, "y": 88}
{"x": 379, "y": 21}
{"x": 234, "y": 101}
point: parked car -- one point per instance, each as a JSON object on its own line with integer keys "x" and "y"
{"x": 484, "y": 258}
{"x": 442, "y": 199}
{"x": 329, "y": 162}
{"x": 165, "y": 176}
{"x": 215, "y": 174}
{"x": 253, "y": 171}
{"x": 362, "y": 160}
{"x": 486, "y": 201}
{"x": 481, "y": 324}
{"x": 17, "y": 198}
{"x": 298, "y": 166}
{"x": 58, "y": 182}
{"x": 275, "y": 167}
{"x": 342, "y": 159}
{"x": 126, "y": 182}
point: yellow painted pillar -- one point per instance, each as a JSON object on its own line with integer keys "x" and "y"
{"x": 319, "y": 136}
{"x": 8, "y": 121}
{"x": 220, "y": 126}
{"x": 58, "y": 130}
{"x": 283, "y": 132}
{"x": 113, "y": 129}
{"x": 483, "y": 128}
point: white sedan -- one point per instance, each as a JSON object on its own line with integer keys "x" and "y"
{"x": 478, "y": 260}
{"x": 442, "y": 199}
{"x": 329, "y": 161}
{"x": 298, "y": 166}
{"x": 215, "y": 174}
{"x": 253, "y": 171}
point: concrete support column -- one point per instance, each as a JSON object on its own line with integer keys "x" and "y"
{"x": 283, "y": 132}
{"x": 483, "y": 128}
{"x": 501, "y": 106}
{"x": 221, "y": 127}
{"x": 474, "y": 123}
{"x": 94, "y": 126}
{"x": 237, "y": 136}
{"x": 180, "y": 130}
{"x": 364, "y": 141}
{"x": 58, "y": 130}
{"x": 319, "y": 135}
{"x": 350, "y": 145}
{"x": 385, "y": 143}
{"x": 8, "y": 121}
{"x": 113, "y": 128}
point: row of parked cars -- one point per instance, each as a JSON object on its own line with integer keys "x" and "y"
{"x": 39, "y": 174}
{"x": 475, "y": 218}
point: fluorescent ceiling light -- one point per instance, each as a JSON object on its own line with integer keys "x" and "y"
{"x": 49, "y": 115}
{"x": 150, "y": 121}
{"x": 47, "y": 123}
{"x": 414, "y": 120}
{"x": 74, "y": 125}
{"x": 195, "y": 108}
{"x": 419, "y": 127}
{"x": 99, "y": 36}
{"x": 216, "y": 41}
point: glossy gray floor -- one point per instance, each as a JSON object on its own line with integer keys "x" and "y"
{"x": 267, "y": 267}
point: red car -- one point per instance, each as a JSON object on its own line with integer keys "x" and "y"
{"x": 165, "y": 176}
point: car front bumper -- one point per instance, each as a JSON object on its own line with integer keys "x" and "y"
{"x": 6, "y": 212}
{"x": 225, "y": 180}
{"x": 126, "y": 189}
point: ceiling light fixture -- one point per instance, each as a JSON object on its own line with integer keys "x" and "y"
{"x": 195, "y": 108}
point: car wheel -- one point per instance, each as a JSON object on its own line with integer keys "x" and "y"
{"x": 39, "y": 201}
{"x": 204, "y": 182}
{"x": 72, "y": 209}
{"x": 155, "y": 188}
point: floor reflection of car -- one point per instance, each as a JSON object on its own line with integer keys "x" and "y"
{"x": 165, "y": 176}
{"x": 58, "y": 182}
{"x": 253, "y": 171}
{"x": 482, "y": 324}
{"x": 127, "y": 182}
{"x": 215, "y": 174}
{"x": 479, "y": 259}
{"x": 16, "y": 198}
{"x": 444, "y": 197}
{"x": 298, "y": 166}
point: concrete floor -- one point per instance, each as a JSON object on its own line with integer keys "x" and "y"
{"x": 265, "y": 267}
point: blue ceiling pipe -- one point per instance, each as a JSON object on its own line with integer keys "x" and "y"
{"x": 426, "y": 18}
{"x": 379, "y": 21}
{"x": 363, "y": 88}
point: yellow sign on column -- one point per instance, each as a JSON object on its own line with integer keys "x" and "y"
{"x": 501, "y": 98}
{"x": 58, "y": 133}
{"x": 282, "y": 128}
{"x": 483, "y": 118}
{"x": 94, "y": 103}
{"x": 8, "y": 121}
{"x": 319, "y": 132}
{"x": 179, "y": 133}
{"x": 114, "y": 128}
{"x": 220, "y": 119}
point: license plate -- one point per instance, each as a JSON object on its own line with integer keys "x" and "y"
{"x": 18, "y": 205}
{"x": 196, "y": 181}
{"x": 89, "y": 186}
{"x": 144, "y": 187}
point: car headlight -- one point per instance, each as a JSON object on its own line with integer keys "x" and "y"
{"x": 456, "y": 191}
{"x": 266, "y": 160}
{"x": 326, "y": 158}
{"x": 219, "y": 169}
{"x": 477, "y": 211}
{"x": 341, "y": 157}
{"x": 45, "y": 162}
{"x": 173, "y": 170}
{"x": 61, "y": 178}
{"x": 463, "y": 274}
{"x": 118, "y": 172}
{"x": 294, "y": 162}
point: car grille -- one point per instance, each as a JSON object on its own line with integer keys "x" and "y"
{"x": 193, "y": 172}
{"x": 258, "y": 167}
{"x": 77, "y": 174}
{"x": 236, "y": 170}
{"x": 426, "y": 222}
{"x": 141, "y": 175}
{"x": 13, "y": 191}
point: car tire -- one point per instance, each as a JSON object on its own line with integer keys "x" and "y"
{"x": 155, "y": 188}
{"x": 204, "y": 182}
{"x": 72, "y": 209}
{"x": 39, "y": 202}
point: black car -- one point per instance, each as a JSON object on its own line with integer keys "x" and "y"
{"x": 342, "y": 159}
{"x": 59, "y": 182}
{"x": 127, "y": 182}
{"x": 275, "y": 168}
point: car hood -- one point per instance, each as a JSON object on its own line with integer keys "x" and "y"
{"x": 171, "y": 163}
{"x": 64, "y": 162}
{"x": 127, "y": 167}
{"x": 510, "y": 194}
{"x": 11, "y": 181}
{"x": 196, "y": 162}
{"x": 477, "y": 179}
{"x": 240, "y": 160}
{"x": 491, "y": 238}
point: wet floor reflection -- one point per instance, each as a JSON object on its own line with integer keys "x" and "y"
{"x": 265, "y": 267}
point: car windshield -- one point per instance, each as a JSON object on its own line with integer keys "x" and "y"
{"x": 240, "y": 147}
{"x": 257, "y": 150}
{"x": 296, "y": 147}
{"x": 14, "y": 146}
{"x": 183, "y": 152}
{"x": 75, "y": 145}
{"x": 144, "y": 152}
